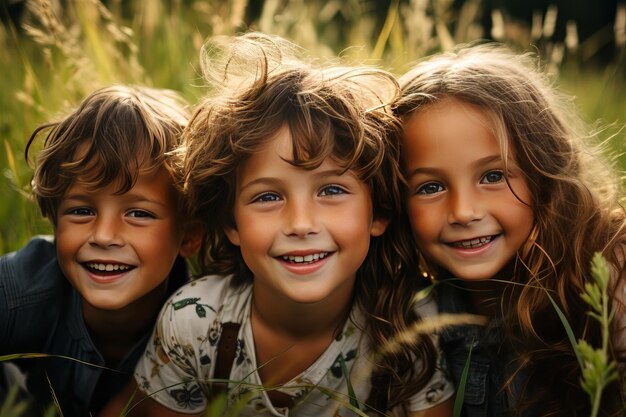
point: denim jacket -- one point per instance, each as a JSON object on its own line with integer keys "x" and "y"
{"x": 40, "y": 312}
{"x": 486, "y": 375}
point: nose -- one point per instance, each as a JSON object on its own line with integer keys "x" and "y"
{"x": 465, "y": 207}
{"x": 106, "y": 231}
{"x": 300, "y": 217}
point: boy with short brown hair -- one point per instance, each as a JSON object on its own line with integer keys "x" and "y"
{"x": 107, "y": 178}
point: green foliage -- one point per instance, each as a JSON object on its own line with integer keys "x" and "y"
{"x": 597, "y": 369}
{"x": 460, "y": 392}
{"x": 12, "y": 407}
{"x": 60, "y": 54}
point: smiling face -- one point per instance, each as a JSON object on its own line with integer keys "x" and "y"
{"x": 116, "y": 248}
{"x": 303, "y": 233}
{"x": 465, "y": 216}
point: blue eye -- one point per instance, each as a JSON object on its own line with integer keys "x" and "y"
{"x": 492, "y": 177}
{"x": 266, "y": 198}
{"x": 430, "y": 188}
{"x": 332, "y": 190}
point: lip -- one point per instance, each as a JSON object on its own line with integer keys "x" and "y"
{"x": 473, "y": 246}
{"x": 305, "y": 267}
{"x": 113, "y": 271}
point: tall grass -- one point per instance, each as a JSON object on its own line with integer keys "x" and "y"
{"x": 58, "y": 55}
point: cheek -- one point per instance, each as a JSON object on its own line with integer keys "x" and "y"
{"x": 350, "y": 229}
{"x": 422, "y": 220}
{"x": 351, "y": 222}
{"x": 523, "y": 220}
{"x": 256, "y": 232}
{"x": 519, "y": 211}
{"x": 67, "y": 242}
{"x": 163, "y": 240}
{"x": 520, "y": 191}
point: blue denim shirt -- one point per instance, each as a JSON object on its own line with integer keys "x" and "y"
{"x": 483, "y": 394}
{"x": 40, "y": 312}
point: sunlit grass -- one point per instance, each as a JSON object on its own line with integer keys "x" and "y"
{"x": 58, "y": 56}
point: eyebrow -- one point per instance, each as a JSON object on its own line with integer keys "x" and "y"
{"x": 134, "y": 198}
{"x": 479, "y": 162}
{"x": 331, "y": 172}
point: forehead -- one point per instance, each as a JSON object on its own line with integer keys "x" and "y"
{"x": 154, "y": 183}
{"x": 446, "y": 129}
{"x": 275, "y": 159}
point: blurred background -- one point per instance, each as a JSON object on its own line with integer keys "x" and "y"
{"x": 54, "y": 52}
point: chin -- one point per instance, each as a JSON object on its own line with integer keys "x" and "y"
{"x": 106, "y": 305}
{"x": 478, "y": 275}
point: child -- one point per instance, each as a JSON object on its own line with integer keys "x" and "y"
{"x": 106, "y": 182}
{"x": 505, "y": 195}
{"x": 294, "y": 172}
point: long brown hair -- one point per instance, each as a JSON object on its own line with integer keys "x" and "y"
{"x": 575, "y": 200}
{"x": 333, "y": 111}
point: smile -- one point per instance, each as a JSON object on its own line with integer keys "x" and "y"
{"x": 472, "y": 243}
{"x": 101, "y": 267}
{"x": 306, "y": 259}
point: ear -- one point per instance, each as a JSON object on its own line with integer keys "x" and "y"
{"x": 192, "y": 241}
{"x": 233, "y": 235}
{"x": 378, "y": 227}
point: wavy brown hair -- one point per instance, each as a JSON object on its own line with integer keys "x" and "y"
{"x": 261, "y": 86}
{"x": 113, "y": 134}
{"x": 575, "y": 200}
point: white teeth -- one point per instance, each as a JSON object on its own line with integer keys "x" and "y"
{"x": 473, "y": 243}
{"x": 108, "y": 267}
{"x": 306, "y": 258}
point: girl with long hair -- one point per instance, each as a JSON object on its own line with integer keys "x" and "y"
{"x": 508, "y": 199}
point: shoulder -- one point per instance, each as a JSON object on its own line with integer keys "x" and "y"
{"x": 426, "y": 306}
{"x": 32, "y": 290}
{"x": 31, "y": 272}
{"x": 38, "y": 252}
{"x": 195, "y": 304}
{"x": 209, "y": 289}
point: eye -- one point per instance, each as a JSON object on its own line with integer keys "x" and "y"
{"x": 80, "y": 211}
{"x": 140, "y": 214}
{"x": 266, "y": 198}
{"x": 332, "y": 189}
{"x": 492, "y": 177}
{"x": 430, "y": 188}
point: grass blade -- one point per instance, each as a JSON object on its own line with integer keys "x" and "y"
{"x": 460, "y": 393}
{"x": 568, "y": 330}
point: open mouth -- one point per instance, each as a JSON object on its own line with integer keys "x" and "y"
{"x": 107, "y": 268}
{"x": 473, "y": 243}
{"x": 305, "y": 259}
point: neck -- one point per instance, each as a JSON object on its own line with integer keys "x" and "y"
{"x": 115, "y": 332}
{"x": 485, "y": 297}
{"x": 289, "y": 336}
{"x": 298, "y": 320}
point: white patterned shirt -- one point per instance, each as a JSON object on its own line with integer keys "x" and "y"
{"x": 180, "y": 359}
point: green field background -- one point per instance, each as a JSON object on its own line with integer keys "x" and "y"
{"x": 56, "y": 52}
